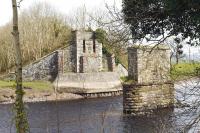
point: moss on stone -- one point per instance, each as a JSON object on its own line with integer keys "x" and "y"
{"x": 127, "y": 80}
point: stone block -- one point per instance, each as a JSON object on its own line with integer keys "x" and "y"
{"x": 148, "y": 97}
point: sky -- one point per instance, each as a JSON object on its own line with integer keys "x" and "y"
{"x": 63, "y": 6}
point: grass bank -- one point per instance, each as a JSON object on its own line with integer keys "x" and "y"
{"x": 35, "y": 85}
{"x": 185, "y": 70}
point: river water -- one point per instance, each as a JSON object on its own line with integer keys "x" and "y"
{"x": 102, "y": 115}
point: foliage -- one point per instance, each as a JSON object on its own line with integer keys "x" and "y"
{"x": 155, "y": 17}
{"x": 127, "y": 80}
{"x": 108, "y": 49}
{"x": 178, "y": 49}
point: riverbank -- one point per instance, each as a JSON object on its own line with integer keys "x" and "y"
{"x": 184, "y": 71}
{"x": 7, "y": 95}
{"x": 34, "y": 92}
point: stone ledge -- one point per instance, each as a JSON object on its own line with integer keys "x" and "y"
{"x": 85, "y": 83}
{"x": 146, "y": 84}
{"x": 140, "y": 99}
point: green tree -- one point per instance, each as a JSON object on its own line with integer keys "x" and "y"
{"x": 155, "y": 17}
{"x": 111, "y": 47}
{"x": 101, "y": 37}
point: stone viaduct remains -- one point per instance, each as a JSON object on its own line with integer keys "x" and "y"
{"x": 150, "y": 68}
{"x": 81, "y": 68}
{"x": 82, "y": 55}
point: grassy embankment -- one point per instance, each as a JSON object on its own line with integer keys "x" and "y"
{"x": 185, "y": 70}
{"x": 178, "y": 72}
{"x": 35, "y": 85}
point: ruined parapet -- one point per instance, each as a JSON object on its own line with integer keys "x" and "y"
{"x": 48, "y": 67}
{"x": 88, "y": 52}
{"x": 149, "y": 68}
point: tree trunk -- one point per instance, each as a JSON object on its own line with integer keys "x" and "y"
{"x": 20, "y": 116}
{"x": 176, "y": 58}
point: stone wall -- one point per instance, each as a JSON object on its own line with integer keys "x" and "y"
{"x": 45, "y": 68}
{"x": 141, "y": 99}
{"x": 84, "y": 54}
{"x": 69, "y": 59}
{"x": 152, "y": 89}
{"x": 147, "y": 65}
{"x": 121, "y": 70}
{"x": 48, "y": 67}
{"x": 89, "y": 64}
{"x": 88, "y": 83}
{"x": 108, "y": 63}
{"x": 87, "y": 50}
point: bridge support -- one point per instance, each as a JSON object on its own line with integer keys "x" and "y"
{"x": 151, "y": 87}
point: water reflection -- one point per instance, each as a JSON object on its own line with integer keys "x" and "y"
{"x": 102, "y": 115}
{"x": 105, "y": 115}
{"x": 160, "y": 122}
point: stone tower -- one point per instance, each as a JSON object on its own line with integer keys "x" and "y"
{"x": 88, "y": 52}
{"x": 149, "y": 68}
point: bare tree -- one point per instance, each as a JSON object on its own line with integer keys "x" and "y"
{"x": 20, "y": 118}
{"x": 78, "y": 18}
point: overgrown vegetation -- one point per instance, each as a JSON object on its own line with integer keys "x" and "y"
{"x": 185, "y": 70}
{"x": 127, "y": 80}
{"x": 109, "y": 48}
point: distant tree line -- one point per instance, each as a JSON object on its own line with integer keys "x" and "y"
{"x": 42, "y": 30}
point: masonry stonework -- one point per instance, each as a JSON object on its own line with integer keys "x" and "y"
{"x": 88, "y": 52}
{"x": 149, "y": 68}
{"x": 147, "y": 65}
{"x": 49, "y": 66}
{"x": 44, "y": 69}
{"x": 83, "y": 55}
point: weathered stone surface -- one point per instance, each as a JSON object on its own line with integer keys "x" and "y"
{"x": 149, "y": 65}
{"x": 88, "y": 52}
{"x": 121, "y": 70}
{"x": 44, "y": 68}
{"x": 81, "y": 83}
{"x": 108, "y": 63}
{"x": 48, "y": 67}
{"x": 70, "y": 59}
{"x": 152, "y": 88}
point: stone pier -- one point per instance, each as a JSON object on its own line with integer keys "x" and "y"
{"x": 149, "y": 68}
